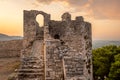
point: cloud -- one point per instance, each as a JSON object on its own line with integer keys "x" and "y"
{"x": 106, "y": 9}
{"x": 99, "y": 9}
{"x": 45, "y": 1}
{"x": 73, "y": 5}
{"x": 71, "y": 2}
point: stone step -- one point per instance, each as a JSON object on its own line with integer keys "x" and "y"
{"x": 29, "y": 70}
{"x": 33, "y": 61}
{"x": 33, "y": 66}
{"x": 49, "y": 78}
{"x": 30, "y": 58}
{"x": 31, "y": 74}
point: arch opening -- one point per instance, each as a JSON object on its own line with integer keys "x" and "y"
{"x": 40, "y": 20}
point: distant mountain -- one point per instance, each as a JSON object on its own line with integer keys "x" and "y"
{"x": 4, "y": 37}
{"x": 101, "y": 43}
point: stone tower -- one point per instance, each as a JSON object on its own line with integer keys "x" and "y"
{"x": 60, "y": 50}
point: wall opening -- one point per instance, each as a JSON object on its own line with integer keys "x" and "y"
{"x": 40, "y": 20}
{"x": 56, "y": 36}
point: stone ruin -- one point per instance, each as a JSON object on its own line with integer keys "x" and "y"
{"x": 59, "y": 50}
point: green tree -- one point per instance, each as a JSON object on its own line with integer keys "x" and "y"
{"x": 115, "y": 69}
{"x": 103, "y": 59}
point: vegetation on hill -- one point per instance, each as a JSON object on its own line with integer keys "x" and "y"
{"x": 106, "y": 63}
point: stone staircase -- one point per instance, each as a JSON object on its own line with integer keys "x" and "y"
{"x": 31, "y": 69}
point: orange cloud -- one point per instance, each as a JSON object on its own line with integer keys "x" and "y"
{"x": 106, "y": 9}
{"x": 99, "y": 9}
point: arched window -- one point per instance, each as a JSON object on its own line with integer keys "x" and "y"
{"x": 40, "y": 20}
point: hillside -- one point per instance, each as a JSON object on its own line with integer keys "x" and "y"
{"x": 4, "y": 37}
{"x": 8, "y": 66}
{"x": 10, "y": 48}
{"x": 101, "y": 43}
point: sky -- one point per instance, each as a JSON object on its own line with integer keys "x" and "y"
{"x": 104, "y": 15}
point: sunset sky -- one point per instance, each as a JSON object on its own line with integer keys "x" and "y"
{"x": 103, "y": 14}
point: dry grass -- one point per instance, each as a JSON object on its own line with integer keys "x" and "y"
{"x": 7, "y": 67}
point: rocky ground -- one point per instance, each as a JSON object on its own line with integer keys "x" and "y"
{"x": 7, "y": 67}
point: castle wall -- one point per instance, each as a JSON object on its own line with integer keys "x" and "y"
{"x": 32, "y": 66}
{"x": 75, "y": 40}
{"x": 60, "y": 49}
{"x": 54, "y": 65}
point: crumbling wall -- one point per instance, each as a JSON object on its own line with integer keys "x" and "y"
{"x": 32, "y": 30}
{"x": 74, "y": 49}
{"x": 88, "y": 50}
{"x": 61, "y": 50}
{"x": 54, "y": 65}
{"x": 32, "y": 66}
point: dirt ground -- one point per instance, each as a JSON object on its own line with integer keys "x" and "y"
{"x": 7, "y": 67}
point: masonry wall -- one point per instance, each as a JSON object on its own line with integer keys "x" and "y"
{"x": 73, "y": 50}
{"x": 60, "y": 49}
{"x": 54, "y": 65}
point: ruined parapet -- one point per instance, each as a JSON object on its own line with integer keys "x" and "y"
{"x": 61, "y": 50}
{"x": 79, "y": 19}
{"x": 66, "y": 17}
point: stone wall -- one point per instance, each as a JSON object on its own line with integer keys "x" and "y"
{"x": 61, "y": 50}
{"x": 71, "y": 43}
{"x": 10, "y": 48}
